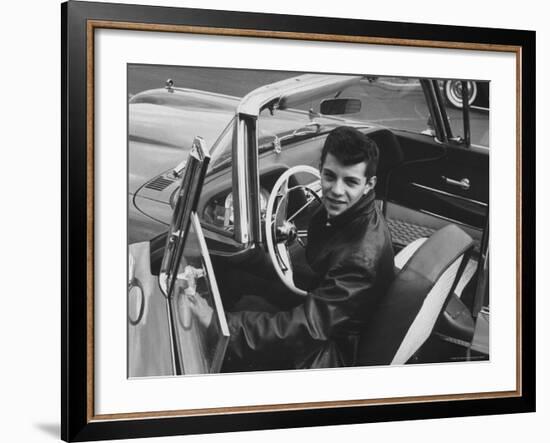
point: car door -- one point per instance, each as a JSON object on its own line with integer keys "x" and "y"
{"x": 444, "y": 178}
{"x": 164, "y": 338}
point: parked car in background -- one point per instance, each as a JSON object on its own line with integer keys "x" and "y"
{"x": 478, "y": 93}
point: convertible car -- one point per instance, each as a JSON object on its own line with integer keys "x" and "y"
{"x": 221, "y": 189}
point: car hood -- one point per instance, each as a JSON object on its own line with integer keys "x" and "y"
{"x": 160, "y": 137}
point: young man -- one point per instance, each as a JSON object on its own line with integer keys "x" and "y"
{"x": 349, "y": 248}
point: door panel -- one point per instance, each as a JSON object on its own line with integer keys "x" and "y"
{"x": 149, "y": 344}
{"x": 430, "y": 180}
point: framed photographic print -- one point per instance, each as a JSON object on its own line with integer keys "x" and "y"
{"x": 279, "y": 221}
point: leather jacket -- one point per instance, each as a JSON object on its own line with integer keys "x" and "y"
{"x": 352, "y": 256}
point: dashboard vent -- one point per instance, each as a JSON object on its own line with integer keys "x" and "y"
{"x": 159, "y": 183}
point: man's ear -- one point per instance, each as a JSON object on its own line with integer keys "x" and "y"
{"x": 371, "y": 183}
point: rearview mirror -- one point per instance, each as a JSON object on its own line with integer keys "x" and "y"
{"x": 340, "y": 106}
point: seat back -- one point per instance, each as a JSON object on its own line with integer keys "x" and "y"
{"x": 407, "y": 315}
{"x": 391, "y": 157}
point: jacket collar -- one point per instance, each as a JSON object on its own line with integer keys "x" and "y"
{"x": 364, "y": 206}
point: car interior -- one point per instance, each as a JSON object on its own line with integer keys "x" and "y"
{"x": 407, "y": 197}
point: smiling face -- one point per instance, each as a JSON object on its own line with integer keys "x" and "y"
{"x": 342, "y": 185}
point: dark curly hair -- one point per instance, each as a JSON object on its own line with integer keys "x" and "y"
{"x": 350, "y": 146}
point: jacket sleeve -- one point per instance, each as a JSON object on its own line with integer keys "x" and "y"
{"x": 335, "y": 308}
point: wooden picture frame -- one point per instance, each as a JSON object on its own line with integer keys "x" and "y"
{"x": 80, "y": 22}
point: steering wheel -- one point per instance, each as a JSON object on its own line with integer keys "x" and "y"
{"x": 281, "y": 231}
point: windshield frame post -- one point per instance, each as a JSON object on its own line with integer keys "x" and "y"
{"x": 252, "y": 196}
{"x": 240, "y": 201}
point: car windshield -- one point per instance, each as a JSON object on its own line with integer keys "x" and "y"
{"x": 391, "y": 102}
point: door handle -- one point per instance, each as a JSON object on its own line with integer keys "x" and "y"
{"x": 463, "y": 184}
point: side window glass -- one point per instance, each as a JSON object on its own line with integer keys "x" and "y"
{"x": 200, "y": 349}
{"x": 391, "y": 102}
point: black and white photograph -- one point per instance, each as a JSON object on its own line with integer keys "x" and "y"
{"x": 282, "y": 220}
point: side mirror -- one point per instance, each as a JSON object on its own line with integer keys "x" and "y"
{"x": 340, "y": 106}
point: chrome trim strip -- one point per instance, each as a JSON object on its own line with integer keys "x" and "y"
{"x": 173, "y": 344}
{"x": 256, "y": 229}
{"x": 210, "y": 273}
{"x": 479, "y": 146}
{"x": 459, "y": 197}
{"x": 243, "y": 235}
{"x": 219, "y": 311}
{"x": 479, "y": 108}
